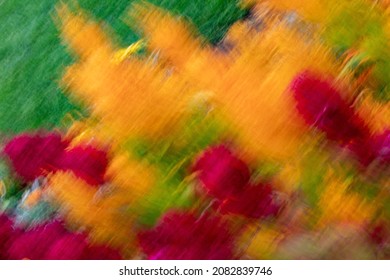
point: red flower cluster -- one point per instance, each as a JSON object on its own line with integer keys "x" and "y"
{"x": 381, "y": 147}
{"x": 36, "y": 155}
{"x": 221, "y": 172}
{"x": 322, "y": 107}
{"x": 33, "y": 155}
{"x": 183, "y": 236}
{"x": 7, "y": 233}
{"x": 380, "y": 234}
{"x": 86, "y": 162}
{"x": 257, "y": 201}
{"x": 48, "y": 242}
{"x": 226, "y": 177}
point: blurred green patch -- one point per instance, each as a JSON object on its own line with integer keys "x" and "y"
{"x": 172, "y": 157}
{"x": 32, "y": 57}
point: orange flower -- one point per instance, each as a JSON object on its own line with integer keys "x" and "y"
{"x": 103, "y": 215}
{"x": 131, "y": 98}
{"x": 250, "y": 84}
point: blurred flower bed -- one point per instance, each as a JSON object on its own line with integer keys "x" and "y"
{"x": 228, "y": 130}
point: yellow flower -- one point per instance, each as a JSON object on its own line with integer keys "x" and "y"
{"x": 250, "y": 85}
{"x": 340, "y": 206}
{"x": 131, "y": 177}
{"x": 131, "y": 98}
{"x": 376, "y": 114}
{"x": 106, "y": 213}
{"x": 262, "y": 242}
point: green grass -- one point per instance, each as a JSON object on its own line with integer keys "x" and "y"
{"x": 32, "y": 57}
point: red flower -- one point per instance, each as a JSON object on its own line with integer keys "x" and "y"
{"x": 380, "y": 234}
{"x": 7, "y": 234}
{"x": 36, "y": 155}
{"x": 67, "y": 247}
{"x": 33, "y": 155}
{"x": 257, "y": 201}
{"x": 376, "y": 148}
{"x": 183, "y": 236}
{"x": 100, "y": 253}
{"x": 381, "y": 147}
{"x": 86, "y": 162}
{"x": 321, "y": 106}
{"x": 222, "y": 174}
{"x": 34, "y": 243}
{"x": 53, "y": 242}
{"x": 75, "y": 246}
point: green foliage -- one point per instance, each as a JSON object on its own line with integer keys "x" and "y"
{"x": 360, "y": 26}
{"x": 32, "y": 57}
{"x": 173, "y": 157}
{"x": 314, "y": 166}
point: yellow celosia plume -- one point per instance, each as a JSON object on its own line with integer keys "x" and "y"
{"x": 261, "y": 242}
{"x": 377, "y": 115}
{"x": 108, "y": 213}
{"x": 338, "y": 205}
{"x": 85, "y": 38}
{"x": 83, "y": 205}
{"x": 131, "y": 98}
{"x": 251, "y": 83}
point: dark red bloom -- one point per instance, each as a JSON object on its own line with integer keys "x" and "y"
{"x": 67, "y": 247}
{"x": 75, "y": 246}
{"x": 222, "y": 174}
{"x": 257, "y": 201}
{"x": 34, "y": 243}
{"x": 101, "y": 252}
{"x": 53, "y": 242}
{"x": 379, "y": 234}
{"x": 381, "y": 147}
{"x": 322, "y": 106}
{"x": 33, "y": 155}
{"x": 86, "y": 162}
{"x": 186, "y": 237}
{"x": 376, "y": 148}
{"x": 36, "y": 155}
{"x": 7, "y": 235}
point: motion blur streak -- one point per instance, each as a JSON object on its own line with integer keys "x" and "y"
{"x": 273, "y": 143}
